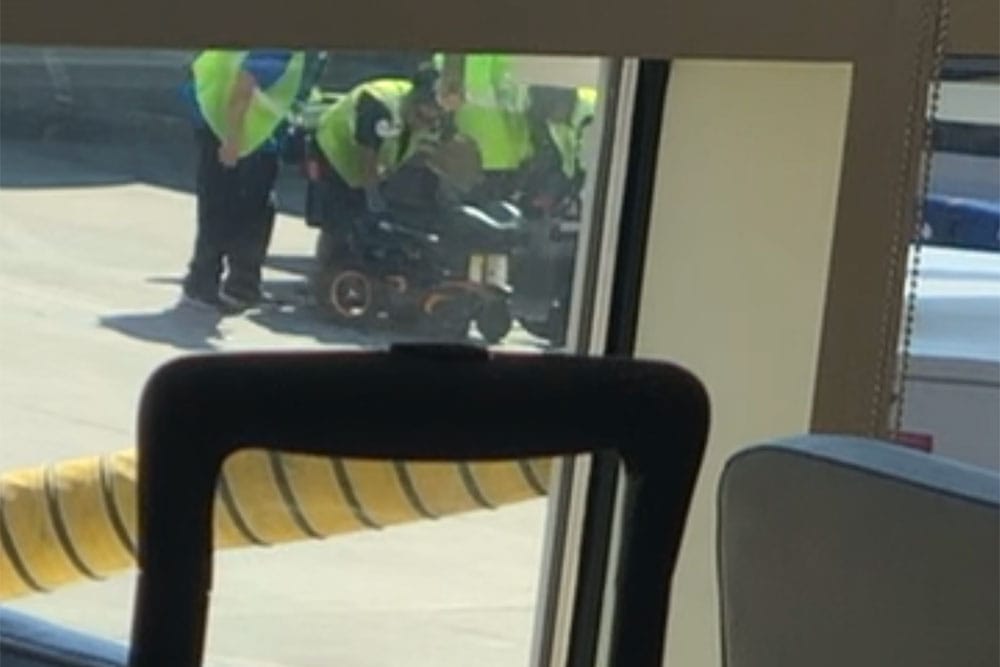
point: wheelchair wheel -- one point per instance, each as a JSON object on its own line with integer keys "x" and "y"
{"x": 447, "y": 316}
{"x": 552, "y": 328}
{"x": 347, "y": 295}
{"x": 494, "y": 320}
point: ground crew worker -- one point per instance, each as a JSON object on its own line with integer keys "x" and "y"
{"x": 240, "y": 99}
{"x": 558, "y": 119}
{"x": 568, "y": 131}
{"x": 490, "y": 111}
{"x": 361, "y": 138}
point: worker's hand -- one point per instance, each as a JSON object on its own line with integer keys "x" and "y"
{"x": 229, "y": 153}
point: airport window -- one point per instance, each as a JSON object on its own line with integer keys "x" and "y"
{"x": 951, "y": 372}
{"x": 162, "y": 202}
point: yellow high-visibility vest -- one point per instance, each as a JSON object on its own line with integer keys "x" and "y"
{"x": 215, "y": 74}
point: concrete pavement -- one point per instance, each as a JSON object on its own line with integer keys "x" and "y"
{"x": 89, "y": 260}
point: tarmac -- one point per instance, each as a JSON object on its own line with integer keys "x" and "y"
{"x": 90, "y": 262}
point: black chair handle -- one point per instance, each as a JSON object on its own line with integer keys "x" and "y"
{"x": 418, "y": 403}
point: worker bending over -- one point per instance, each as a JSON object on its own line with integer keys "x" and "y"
{"x": 488, "y": 105}
{"x": 359, "y": 140}
{"x": 558, "y": 119}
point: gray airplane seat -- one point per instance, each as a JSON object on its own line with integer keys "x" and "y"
{"x": 841, "y": 551}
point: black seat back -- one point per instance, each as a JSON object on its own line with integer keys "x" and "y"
{"x": 195, "y": 412}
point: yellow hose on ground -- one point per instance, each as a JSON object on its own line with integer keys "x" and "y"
{"x": 76, "y": 519}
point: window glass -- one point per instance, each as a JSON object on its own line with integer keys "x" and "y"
{"x": 952, "y": 377}
{"x": 162, "y": 202}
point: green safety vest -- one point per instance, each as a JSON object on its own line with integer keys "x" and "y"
{"x": 568, "y": 137}
{"x": 215, "y": 74}
{"x": 336, "y": 130}
{"x": 493, "y": 112}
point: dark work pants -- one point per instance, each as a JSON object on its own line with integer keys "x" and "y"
{"x": 331, "y": 203}
{"x": 235, "y": 220}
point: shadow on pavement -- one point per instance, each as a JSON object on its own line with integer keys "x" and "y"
{"x": 182, "y": 326}
{"x": 290, "y": 311}
{"x": 300, "y": 265}
{"x": 304, "y": 320}
{"x": 24, "y": 166}
{"x": 279, "y": 292}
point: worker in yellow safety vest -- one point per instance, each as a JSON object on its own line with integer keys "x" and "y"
{"x": 359, "y": 140}
{"x": 238, "y": 100}
{"x": 558, "y": 119}
{"x": 489, "y": 106}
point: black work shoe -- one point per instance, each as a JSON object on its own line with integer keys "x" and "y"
{"x": 236, "y": 302}
{"x": 202, "y": 302}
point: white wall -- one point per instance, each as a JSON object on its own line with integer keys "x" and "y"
{"x": 567, "y": 71}
{"x": 736, "y": 272}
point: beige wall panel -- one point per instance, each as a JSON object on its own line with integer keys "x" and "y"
{"x": 736, "y": 272}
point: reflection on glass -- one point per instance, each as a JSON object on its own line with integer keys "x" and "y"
{"x": 963, "y": 206}
{"x": 156, "y": 202}
{"x": 952, "y": 378}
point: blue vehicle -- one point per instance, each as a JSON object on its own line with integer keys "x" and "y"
{"x": 961, "y": 222}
